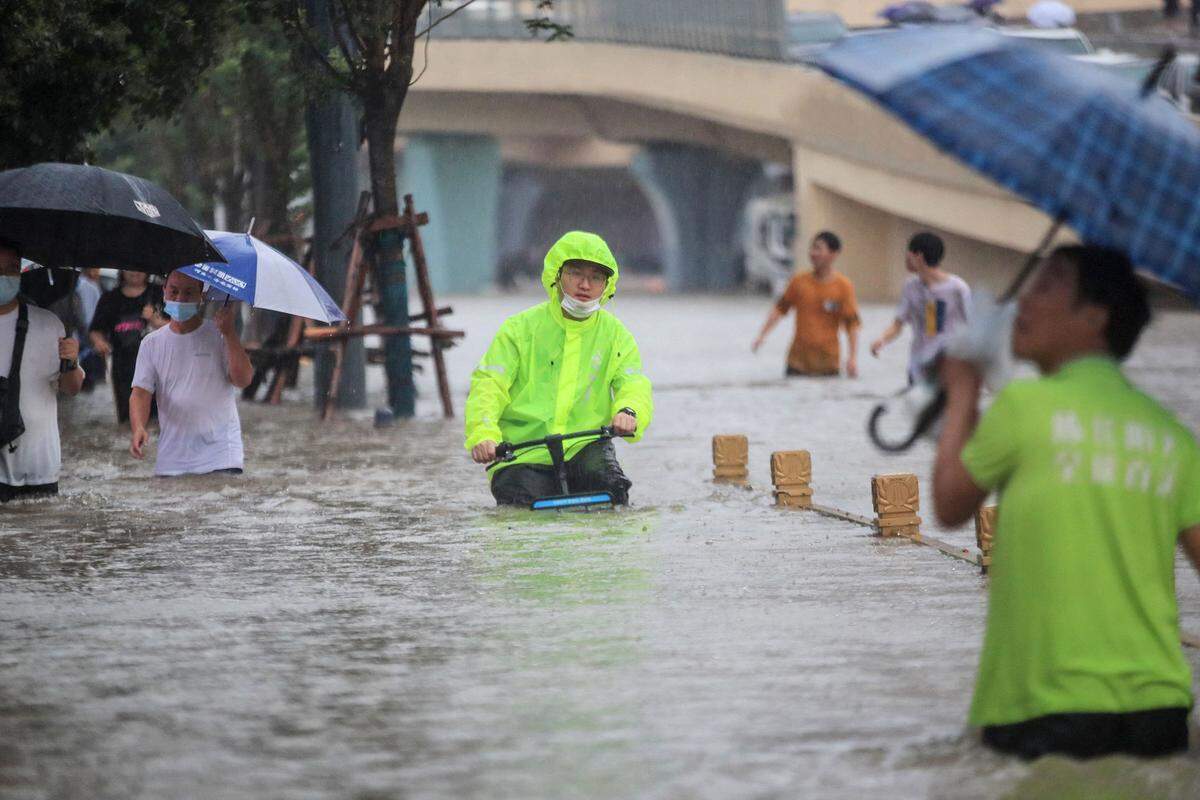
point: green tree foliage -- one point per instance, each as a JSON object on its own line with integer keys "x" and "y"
{"x": 237, "y": 142}
{"x": 68, "y": 68}
{"x": 365, "y": 48}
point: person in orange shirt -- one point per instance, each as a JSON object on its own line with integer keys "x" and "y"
{"x": 824, "y": 301}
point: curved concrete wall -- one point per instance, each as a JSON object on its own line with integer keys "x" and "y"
{"x": 857, "y": 168}
{"x": 866, "y": 12}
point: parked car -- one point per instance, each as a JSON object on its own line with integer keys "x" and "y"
{"x": 768, "y": 231}
{"x": 808, "y": 33}
{"x": 1133, "y": 68}
{"x": 1179, "y": 82}
{"x": 1065, "y": 41}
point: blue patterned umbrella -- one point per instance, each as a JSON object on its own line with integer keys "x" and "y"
{"x": 1084, "y": 146}
{"x": 265, "y": 278}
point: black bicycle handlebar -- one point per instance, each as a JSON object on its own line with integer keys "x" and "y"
{"x": 506, "y": 451}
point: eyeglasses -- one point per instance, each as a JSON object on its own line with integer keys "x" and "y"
{"x": 590, "y": 274}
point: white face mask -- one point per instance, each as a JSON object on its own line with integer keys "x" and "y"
{"x": 578, "y": 308}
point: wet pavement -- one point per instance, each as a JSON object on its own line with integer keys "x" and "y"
{"x": 353, "y": 619}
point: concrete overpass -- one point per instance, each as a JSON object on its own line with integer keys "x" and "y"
{"x": 866, "y": 12}
{"x": 704, "y": 122}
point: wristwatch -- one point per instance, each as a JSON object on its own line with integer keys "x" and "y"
{"x": 629, "y": 411}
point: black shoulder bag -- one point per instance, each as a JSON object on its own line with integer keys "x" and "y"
{"x": 11, "y": 424}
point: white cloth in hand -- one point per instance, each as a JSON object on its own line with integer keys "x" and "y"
{"x": 986, "y": 340}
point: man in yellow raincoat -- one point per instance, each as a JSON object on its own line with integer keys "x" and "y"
{"x": 562, "y": 366}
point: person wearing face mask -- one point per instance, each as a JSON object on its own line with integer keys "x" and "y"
{"x": 562, "y": 366}
{"x": 33, "y": 349}
{"x": 194, "y": 368}
{"x": 123, "y": 317}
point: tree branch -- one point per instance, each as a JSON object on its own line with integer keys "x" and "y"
{"x": 338, "y": 27}
{"x": 296, "y": 22}
{"x": 357, "y": 39}
{"x": 425, "y": 51}
{"x": 441, "y": 19}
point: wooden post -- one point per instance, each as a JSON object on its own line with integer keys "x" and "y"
{"x": 985, "y": 529}
{"x": 731, "y": 458}
{"x": 356, "y": 277}
{"x": 425, "y": 289}
{"x": 896, "y": 499}
{"x": 362, "y": 268}
{"x": 791, "y": 473}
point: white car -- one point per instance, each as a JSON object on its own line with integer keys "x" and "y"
{"x": 1179, "y": 82}
{"x": 1065, "y": 41}
{"x": 768, "y": 231}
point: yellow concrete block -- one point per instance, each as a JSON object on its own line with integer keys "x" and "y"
{"x": 731, "y": 459}
{"x": 897, "y": 499}
{"x": 985, "y": 529}
{"x": 791, "y": 473}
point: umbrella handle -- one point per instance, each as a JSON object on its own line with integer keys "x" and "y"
{"x": 925, "y": 419}
{"x": 1031, "y": 262}
{"x": 1164, "y": 60}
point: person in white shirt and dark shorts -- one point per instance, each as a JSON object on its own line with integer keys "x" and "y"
{"x": 35, "y": 341}
{"x": 934, "y": 303}
{"x": 195, "y": 368}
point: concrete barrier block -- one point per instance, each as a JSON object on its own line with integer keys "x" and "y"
{"x": 897, "y": 499}
{"x": 791, "y": 474}
{"x": 731, "y": 459}
{"x": 985, "y": 529}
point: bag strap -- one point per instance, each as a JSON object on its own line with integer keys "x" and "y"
{"x": 14, "y": 372}
{"x": 12, "y": 397}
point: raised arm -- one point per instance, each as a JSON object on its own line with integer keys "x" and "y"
{"x": 241, "y": 371}
{"x": 956, "y": 497}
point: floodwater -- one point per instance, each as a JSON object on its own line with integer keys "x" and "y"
{"x": 354, "y": 619}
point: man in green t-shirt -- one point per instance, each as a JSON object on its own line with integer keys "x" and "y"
{"x": 1097, "y": 485}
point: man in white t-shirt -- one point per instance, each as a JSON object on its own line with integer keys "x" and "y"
{"x": 30, "y": 463}
{"x": 196, "y": 368}
{"x": 934, "y": 303}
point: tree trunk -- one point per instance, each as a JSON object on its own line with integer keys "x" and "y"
{"x": 380, "y": 120}
{"x": 379, "y": 123}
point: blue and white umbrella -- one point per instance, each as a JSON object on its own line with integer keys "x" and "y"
{"x": 262, "y": 276}
{"x": 1085, "y": 146}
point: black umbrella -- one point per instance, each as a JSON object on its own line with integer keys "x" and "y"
{"x": 72, "y": 215}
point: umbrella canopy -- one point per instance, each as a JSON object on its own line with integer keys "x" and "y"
{"x": 72, "y": 215}
{"x": 1084, "y": 146}
{"x": 265, "y": 278}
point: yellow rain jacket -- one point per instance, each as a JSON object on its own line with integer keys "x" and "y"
{"x": 546, "y": 373}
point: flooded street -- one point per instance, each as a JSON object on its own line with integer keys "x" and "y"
{"x": 353, "y": 618}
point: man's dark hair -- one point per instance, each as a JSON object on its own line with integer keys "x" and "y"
{"x": 1106, "y": 278}
{"x": 929, "y": 246}
{"x": 10, "y": 245}
{"x": 830, "y": 239}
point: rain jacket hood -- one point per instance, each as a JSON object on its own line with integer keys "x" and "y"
{"x": 546, "y": 373}
{"x": 579, "y": 246}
